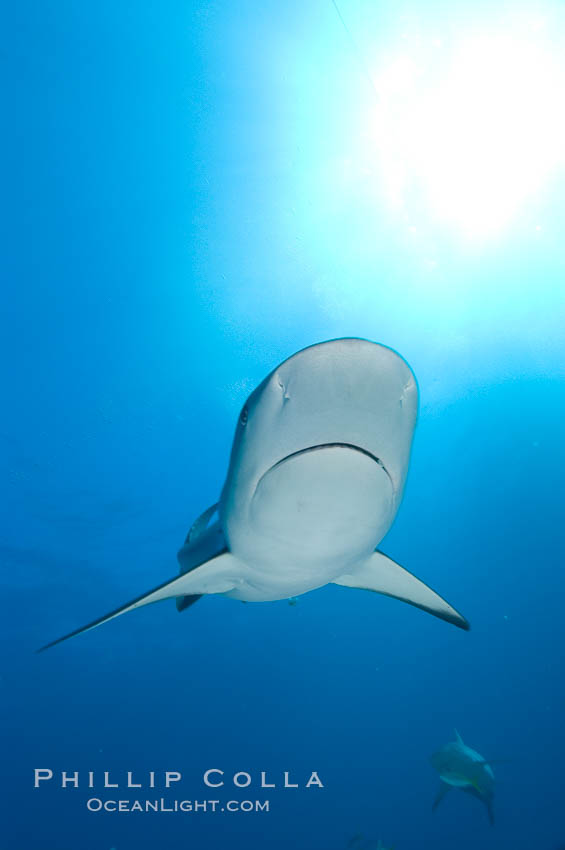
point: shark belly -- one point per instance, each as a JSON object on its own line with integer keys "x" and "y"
{"x": 312, "y": 515}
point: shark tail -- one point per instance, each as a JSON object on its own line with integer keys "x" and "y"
{"x": 184, "y": 602}
{"x": 442, "y": 791}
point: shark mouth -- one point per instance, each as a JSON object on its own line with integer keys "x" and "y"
{"x": 310, "y": 493}
{"x": 334, "y": 446}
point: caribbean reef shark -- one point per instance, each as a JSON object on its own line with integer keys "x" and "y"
{"x": 358, "y": 842}
{"x": 317, "y": 469}
{"x": 461, "y": 767}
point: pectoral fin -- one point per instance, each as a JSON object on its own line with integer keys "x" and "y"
{"x": 382, "y": 575}
{"x": 215, "y": 576}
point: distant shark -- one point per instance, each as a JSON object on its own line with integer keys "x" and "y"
{"x": 358, "y": 842}
{"x": 315, "y": 479}
{"x": 461, "y": 767}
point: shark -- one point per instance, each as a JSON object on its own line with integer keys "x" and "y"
{"x": 358, "y": 842}
{"x": 461, "y": 767}
{"x": 315, "y": 479}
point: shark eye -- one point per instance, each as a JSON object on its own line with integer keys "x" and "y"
{"x": 243, "y": 416}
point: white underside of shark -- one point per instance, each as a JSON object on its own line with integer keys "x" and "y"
{"x": 316, "y": 475}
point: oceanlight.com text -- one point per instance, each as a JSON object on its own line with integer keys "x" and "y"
{"x": 95, "y": 804}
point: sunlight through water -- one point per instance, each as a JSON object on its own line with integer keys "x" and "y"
{"x": 468, "y": 129}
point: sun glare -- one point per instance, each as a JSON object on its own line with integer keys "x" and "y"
{"x": 468, "y": 132}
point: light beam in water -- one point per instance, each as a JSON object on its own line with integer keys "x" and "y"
{"x": 469, "y": 126}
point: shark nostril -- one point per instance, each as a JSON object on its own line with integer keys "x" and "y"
{"x": 285, "y": 394}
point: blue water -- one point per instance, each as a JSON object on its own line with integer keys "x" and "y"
{"x": 189, "y": 203}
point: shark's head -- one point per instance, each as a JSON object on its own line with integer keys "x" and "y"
{"x": 323, "y": 442}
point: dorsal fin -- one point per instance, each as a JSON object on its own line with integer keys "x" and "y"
{"x": 202, "y": 542}
{"x": 458, "y": 738}
{"x": 196, "y": 531}
{"x": 200, "y": 525}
